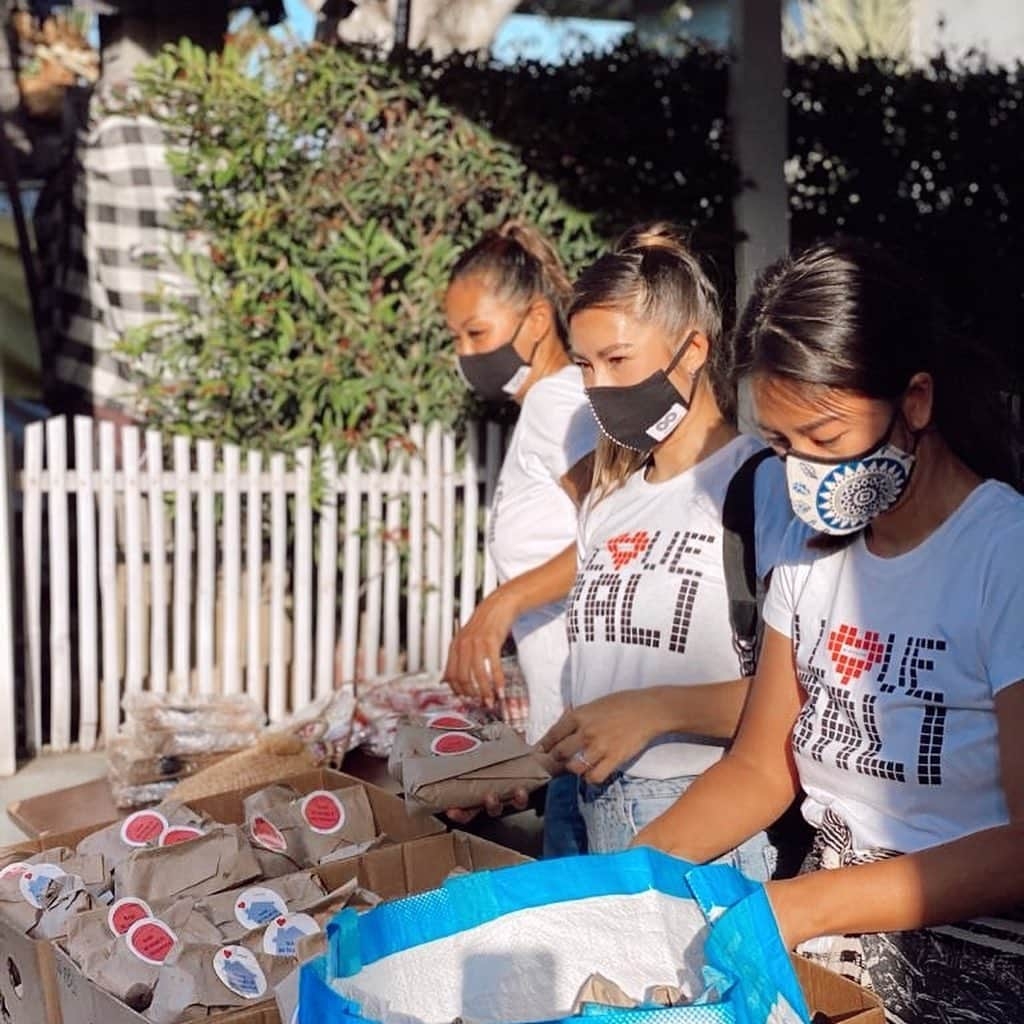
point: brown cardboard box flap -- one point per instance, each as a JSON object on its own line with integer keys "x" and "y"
{"x": 840, "y": 1001}
{"x": 219, "y": 860}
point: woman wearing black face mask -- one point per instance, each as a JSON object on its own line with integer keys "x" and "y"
{"x": 657, "y": 680}
{"x": 506, "y": 309}
{"x": 891, "y": 684}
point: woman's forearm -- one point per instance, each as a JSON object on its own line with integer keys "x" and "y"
{"x": 711, "y": 709}
{"x": 979, "y": 874}
{"x": 549, "y": 582}
{"x": 732, "y": 801}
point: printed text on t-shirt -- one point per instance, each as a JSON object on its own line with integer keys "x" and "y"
{"x": 604, "y": 597}
{"x": 841, "y": 724}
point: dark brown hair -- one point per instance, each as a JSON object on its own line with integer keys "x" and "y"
{"x": 844, "y": 315}
{"x": 521, "y": 264}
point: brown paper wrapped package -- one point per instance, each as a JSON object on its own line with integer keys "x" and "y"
{"x": 90, "y": 932}
{"x": 188, "y": 986}
{"x": 348, "y": 895}
{"x": 62, "y": 898}
{"x": 414, "y": 737}
{"x": 108, "y": 842}
{"x": 312, "y": 848}
{"x": 503, "y": 763}
{"x": 598, "y": 989}
{"x": 117, "y": 970}
{"x": 222, "y": 859}
{"x": 270, "y": 796}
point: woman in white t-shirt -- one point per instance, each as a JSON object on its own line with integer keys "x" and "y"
{"x": 506, "y": 309}
{"x": 890, "y": 683}
{"x": 657, "y": 680}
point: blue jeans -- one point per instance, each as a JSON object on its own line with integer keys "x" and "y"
{"x": 565, "y": 835}
{"x": 617, "y": 810}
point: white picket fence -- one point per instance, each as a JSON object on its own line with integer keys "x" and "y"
{"x": 165, "y": 565}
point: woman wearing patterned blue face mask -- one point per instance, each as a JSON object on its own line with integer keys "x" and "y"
{"x": 891, "y": 682}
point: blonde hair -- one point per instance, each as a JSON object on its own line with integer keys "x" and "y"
{"x": 522, "y": 264}
{"x": 653, "y": 276}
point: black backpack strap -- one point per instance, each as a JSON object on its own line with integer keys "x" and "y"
{"x": 739, "y": 559}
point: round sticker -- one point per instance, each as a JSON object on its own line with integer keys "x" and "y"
{"x": 36, "y": 879}
{"x": 143, "y": 828}
{"x": 151, "y": 940}
{"x": 449, "y": 720}
{"x": 14, "y": 870}
{"x": 283, "y": 933}
{"x": 174, "y": 834}
{"x": 256, "y": 906}
{"x": 240, "y": 971}
{"x": 323, "y": 812}
{"x": 454, "y": 743}
{"x": 266, "y": 834}
{"x": 125, "y": 912}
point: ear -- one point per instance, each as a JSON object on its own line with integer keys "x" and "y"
{"x": 696, "y": 356}
{"x": 919, "y": 401}
{"x": 540, "y": 319}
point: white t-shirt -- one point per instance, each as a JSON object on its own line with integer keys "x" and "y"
{"x": 533, "y": 519}
{"x": 650, "y": 607}
{"x": 901, "y": 659}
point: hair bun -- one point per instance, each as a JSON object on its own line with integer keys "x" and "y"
{"x": 661, "y": 235}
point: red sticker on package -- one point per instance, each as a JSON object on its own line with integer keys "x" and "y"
{"x": 125, "y": 912}
{"x": 240, "y": 971}
{"x": 174, "y": 834}
{"x": 151, "y": 940}
{"x": 257, "y": 905}
{"x": 266, "y": 834}
{"x": 454, "y": 743}
{"x": 449, "y": 720}
{"x": 323, "y": 812}
{"x": 14, "y": 870}
{"x": 35, "y": 880}
{"x": 282, "y": 935}
{"x": 143, "y": 828}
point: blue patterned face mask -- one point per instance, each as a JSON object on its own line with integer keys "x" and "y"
{"x": 841, "y": 496}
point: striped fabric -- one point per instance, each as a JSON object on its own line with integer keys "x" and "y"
{"x": 106, "y": 259}
{"x": 968, "y": 973}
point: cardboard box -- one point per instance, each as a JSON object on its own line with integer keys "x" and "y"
{"x": 413, "y": 867}
{"x": 28, "y": 991}
{"x": 841, "y": 1001}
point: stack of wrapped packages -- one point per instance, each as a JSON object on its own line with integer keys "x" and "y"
{"x": 446, "y": 759}
{"x": 180, "y": 916}
{"x": 165, "y": 739}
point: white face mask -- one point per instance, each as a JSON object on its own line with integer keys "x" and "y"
{"x": 841, "y": 496}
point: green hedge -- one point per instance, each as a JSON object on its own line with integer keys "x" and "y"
{"x": 330, "y": 198}
{"x": 929, "y": 164}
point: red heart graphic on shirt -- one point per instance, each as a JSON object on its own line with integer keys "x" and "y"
{"x": 627, "y": 546}
{"x": 853, "y": 653}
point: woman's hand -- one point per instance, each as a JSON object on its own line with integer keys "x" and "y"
{"x": 492, "y": 805}
{"x": 474, "y": 657}
{"x": 598, "y": 738}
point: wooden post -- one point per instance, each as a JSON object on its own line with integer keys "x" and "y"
{"x": 403, "y": 19}
{"x": 758, "y": 111}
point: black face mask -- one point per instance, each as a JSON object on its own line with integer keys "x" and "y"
{"x": 497, "y": 375}
{"x": 642, "y": 415}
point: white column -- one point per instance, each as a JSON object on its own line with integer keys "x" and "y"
{"x": 758, "y": 111}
